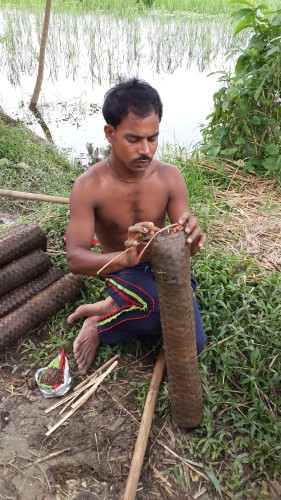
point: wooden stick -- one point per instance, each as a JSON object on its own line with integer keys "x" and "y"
{"x": 93, "y": 375}
{"x": 141, "y": 443}
{"x": 76, "y": 394}
{"x": 82, "y": 400}
{"x": 33, "y": 196}
{"x": 83, "y": 385}
{"x": 94, "y": 387}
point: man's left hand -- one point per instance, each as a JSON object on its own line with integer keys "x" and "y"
{"x": 195, "y": 237}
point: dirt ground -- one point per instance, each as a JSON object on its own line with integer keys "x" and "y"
{"x": 89, "y": 456}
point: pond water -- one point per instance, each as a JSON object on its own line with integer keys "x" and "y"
{"x": 86, "y": 53}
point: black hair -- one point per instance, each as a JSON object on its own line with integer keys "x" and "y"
{"x": 130, "y": 95}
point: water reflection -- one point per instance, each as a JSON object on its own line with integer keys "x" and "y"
{"x": 86, "y": 52}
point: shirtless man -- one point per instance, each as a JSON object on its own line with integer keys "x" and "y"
{"x": 119, "y": 199}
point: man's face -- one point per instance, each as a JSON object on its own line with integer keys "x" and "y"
{"x": 134, "y": 141}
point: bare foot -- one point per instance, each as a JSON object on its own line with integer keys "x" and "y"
{"x": 86, "y": 345}
{"x": 100, "y": 308}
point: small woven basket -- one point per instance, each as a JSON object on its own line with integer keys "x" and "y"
{"x": 170, "y": 257}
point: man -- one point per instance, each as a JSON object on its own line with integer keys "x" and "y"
{"x": 123, "y": 199}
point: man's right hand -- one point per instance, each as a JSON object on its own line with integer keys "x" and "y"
{"x": 137, "y": 239}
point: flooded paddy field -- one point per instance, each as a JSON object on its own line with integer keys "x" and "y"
{"x": 175, "y": 50}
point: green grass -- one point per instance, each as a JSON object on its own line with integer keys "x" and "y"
{"x": 132, "y": 7}
{"x": 239, "y": 439}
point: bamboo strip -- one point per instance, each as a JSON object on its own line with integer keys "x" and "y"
{"x": 76, "y": 395}
{"x": 94, "y": 387}
{"x": 79, "y": 386}
{"x": 82, "y": 400}
{"x": 101, "y": 368}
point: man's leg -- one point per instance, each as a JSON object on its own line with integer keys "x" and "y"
{"x": 87, "y": 342}
{"x": 100, "y": 308}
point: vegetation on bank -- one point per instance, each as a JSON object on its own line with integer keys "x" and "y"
{"x": 246, "y": 121}
{"x": 238, "y": 443}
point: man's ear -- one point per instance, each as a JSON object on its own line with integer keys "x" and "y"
{"x": 109, "y": 133}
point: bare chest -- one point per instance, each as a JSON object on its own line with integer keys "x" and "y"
{"x": 130, "y": 204}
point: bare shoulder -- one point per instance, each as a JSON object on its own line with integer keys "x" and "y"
{"x": 91, "y": 178}
{"x": 170, "y": 172}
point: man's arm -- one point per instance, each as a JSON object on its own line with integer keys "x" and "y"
{"x": 80, "y": 258}
{"x": 178, "y": 211}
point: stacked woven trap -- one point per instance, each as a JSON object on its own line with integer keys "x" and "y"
{"x": 31, "y": 289}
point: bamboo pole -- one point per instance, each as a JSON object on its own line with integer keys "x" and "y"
{"x": 33, "y": 196}
{"x": 141, "y": 443}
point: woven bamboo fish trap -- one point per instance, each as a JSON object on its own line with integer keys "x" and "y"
{"x": 36, "y": 310}
{"x": 20, "y": 241}
{"x": 170, "y": 257}
{"x": 15, "y": 298}
{"x": 23, "y": 269}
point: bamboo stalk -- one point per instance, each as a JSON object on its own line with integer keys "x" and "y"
{"x": 141, "y": 443}
{"x": 82, "y": 386}
{"x": 33, "y": 196}
{"x": 82, "y": 399}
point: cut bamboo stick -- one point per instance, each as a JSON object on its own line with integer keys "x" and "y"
{"x": 82, "y": 399}
{"x": 83, "y": 385}
{"x": 94, "y": 387}
{"x": 141, "y": 443}
{"x": 76, "y": 394}
{"x": 33, "y": 196}
{"x": 101, "y": 368}
{"x": 71, "y": 396}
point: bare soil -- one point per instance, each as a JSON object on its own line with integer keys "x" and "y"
{"x": 89, "y": 456}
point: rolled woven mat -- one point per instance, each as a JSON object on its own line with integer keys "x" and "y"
{"x": 170, "y": 257}
{"x": 20, "y": 241}
{"x": 36, "y": 310}
{"x": 22, "y": 270}
{"x": 15, "y": 298}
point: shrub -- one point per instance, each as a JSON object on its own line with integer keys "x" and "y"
{"x": 245, "y": 123}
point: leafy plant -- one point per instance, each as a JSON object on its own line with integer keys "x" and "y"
{"x": 246, "y": 121}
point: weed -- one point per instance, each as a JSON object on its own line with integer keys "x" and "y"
{"x": 245, "y": 123}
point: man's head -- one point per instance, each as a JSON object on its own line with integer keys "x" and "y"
{"x": 132, "y": 95}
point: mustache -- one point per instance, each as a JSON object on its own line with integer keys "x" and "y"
{"x": 143, "y": 158}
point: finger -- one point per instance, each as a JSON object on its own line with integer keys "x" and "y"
{"x": 194, "y": 236}
{"x": 191, "y": 226}
{"x": 197, "y": 246}
{"x": 142, "y": 227}
{"x": 131, "y": 244}
{"x": 184, "y": 218}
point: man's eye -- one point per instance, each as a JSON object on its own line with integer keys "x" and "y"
{"x": 131, "y": 140}
{"x": 152, "y": 139}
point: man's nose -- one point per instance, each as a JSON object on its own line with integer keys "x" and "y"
{"x": 144, "y": 147}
